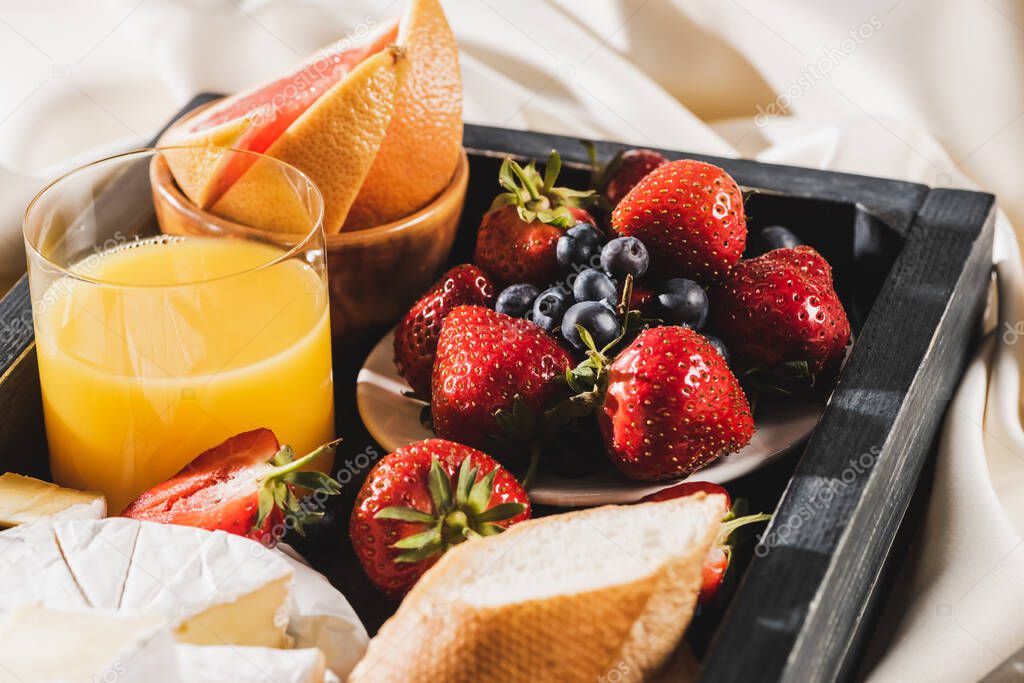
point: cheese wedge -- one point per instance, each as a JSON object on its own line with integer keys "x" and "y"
{"x": 213, "y": 588}
{"x": 24, "y": 500}
{"x": 45, "y": 645}
{"x": 235, "y": 664}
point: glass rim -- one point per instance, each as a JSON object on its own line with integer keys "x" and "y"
{"x": 143, "y": 152}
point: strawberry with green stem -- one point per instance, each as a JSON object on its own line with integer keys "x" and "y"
{"x": 494, "y": 376}
{"x": 780, "y": 311}
{"x": 624, "y": 170}
{"x": 689, "y": 214}
{"x": 667, "y": 404}
{"x": 423, "y": 499}
{"x": 246, "y": 485}
{"x": 417, "y": 333}
{"x": 518, "y": 235}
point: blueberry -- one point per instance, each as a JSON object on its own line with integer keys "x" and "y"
{"x": 578, "y": 246}
{"x": 683, "y": 302}
{"x": 550, "y": 306}
{"x": 718, "y": 346}
{"x": 625, "y": 256}
{"x": 515, "y": 300}
{"x": 597, "y": 317}
{"x": 593, "y": 285}
{"x": 778, "y": 237}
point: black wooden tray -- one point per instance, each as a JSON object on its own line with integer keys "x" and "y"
{"x": 912, "y": 265}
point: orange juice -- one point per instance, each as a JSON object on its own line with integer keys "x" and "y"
{"x": 162, "y": 348}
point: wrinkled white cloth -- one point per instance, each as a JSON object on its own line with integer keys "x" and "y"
{"x": 930, "y": 92}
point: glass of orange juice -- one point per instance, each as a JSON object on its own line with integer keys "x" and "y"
{"x": 153, "y": 348}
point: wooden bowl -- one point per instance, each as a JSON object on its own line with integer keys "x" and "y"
{"x": 374, "y": 274}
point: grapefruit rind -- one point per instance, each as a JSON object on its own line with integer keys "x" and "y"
{"x": 334, "y": 142}
{"x": 421, "y": 150}
{"x": 201, "y": 156}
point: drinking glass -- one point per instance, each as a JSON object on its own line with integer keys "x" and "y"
{"x": 154, "y": 347}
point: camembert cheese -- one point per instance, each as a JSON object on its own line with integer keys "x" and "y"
{"x": 24, "y": 500}
{"x": 214, "y": 588}
{"x": 44, "y": 645}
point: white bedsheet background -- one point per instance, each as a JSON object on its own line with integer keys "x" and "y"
{"x": 931, "y": 92}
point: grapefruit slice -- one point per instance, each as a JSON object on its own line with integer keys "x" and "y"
{"x": 334, "y": 142}
{"x": 289, "y": 119}
{"x": 258, "y": 119}
{"x": 421, "y": 150}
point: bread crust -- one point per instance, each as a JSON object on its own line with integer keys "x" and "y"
{"x": 621, "y": 632}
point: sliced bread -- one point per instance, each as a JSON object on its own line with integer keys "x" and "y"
{"x": 599, "y": 594}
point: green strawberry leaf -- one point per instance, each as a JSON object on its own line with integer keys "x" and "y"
{"x": 586, "y": 338}
{"x": 439, "y": 486}
{"x": 405, "y": 514}
{"x": 431, "y": 536}
{"x": 517, "y": 425}
{"x": 577, "y": 199}
{"x": 467, "y": 475}
{"x": 420, "y": 554}
{"x": 527, "y": 178}
{"x": 480, "y": 494}
{"x": 536, "y": 197}
{"x": 314, "y": 481}
{"x": 551, "y": 171}
{"x": 506, "y": 178}
{"x": 560, "y": 217}
{"x": 504, "y": 199}
{"x": 501, "y": 512}
{"x": 265, "y": 504}
{"x": 577, "y": 406}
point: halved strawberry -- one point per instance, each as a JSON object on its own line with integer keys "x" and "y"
{"x": 244, "y": 486}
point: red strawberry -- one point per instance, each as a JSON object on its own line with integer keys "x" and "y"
{"x": 627, "y": 169}
{"x": 713, "y": 573}
{"x": 781, "y": 307}
{"x": 672, "y": 406}
{"x": 687, "y": 488}
{"x": 417, "y": 333}
{"x": 643, "y": 298}
{"x": 517, "y": 236}
{"x": 689, "y": 215}
{"x": 717, "y": 561}
{"x": 513, "y": 250}
{"x": 412, "y": 508}
{"x": 485, "y": 362}
{"x": 581, "y": 216}
{"x": 243, "y": 486}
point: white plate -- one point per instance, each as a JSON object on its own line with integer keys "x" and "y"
{"x": 393, "y": 420}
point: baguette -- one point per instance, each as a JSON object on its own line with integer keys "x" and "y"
{"x": 596, "y": 595}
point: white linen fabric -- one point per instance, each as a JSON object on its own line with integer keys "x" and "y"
{"x": 930, "y": 92}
